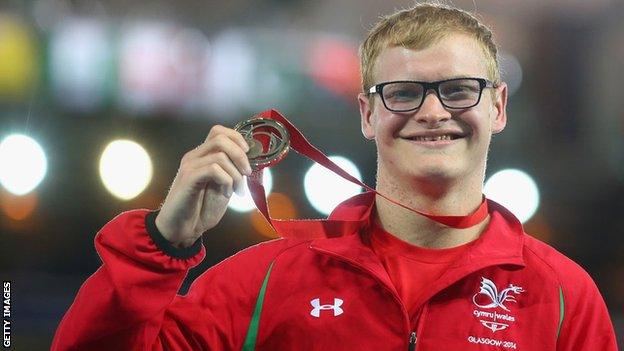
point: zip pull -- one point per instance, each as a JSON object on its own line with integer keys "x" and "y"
{"x": 412, "y": 342}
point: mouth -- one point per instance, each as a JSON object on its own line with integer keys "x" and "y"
{"x": 442, "y": 137}
{"x": 435, "y": 140}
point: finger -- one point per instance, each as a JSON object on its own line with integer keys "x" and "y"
{"x": 226, "y": 164}
{"x": 214, "y": 173}
{"x": 229, "y": 132}
{"x": 232, "y": 150}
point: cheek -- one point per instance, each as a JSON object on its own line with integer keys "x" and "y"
{"x": 477, "y": 124}
{"x": 388, "y": 127}
{"x": 386, "y": 131}
{"x": 481, "y": 130}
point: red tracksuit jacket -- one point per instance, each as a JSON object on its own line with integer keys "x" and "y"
{"x": 322, "y": 288}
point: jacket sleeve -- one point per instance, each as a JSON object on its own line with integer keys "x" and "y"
{"x": 586, "y": 324}
{"x": 131, "y": 301}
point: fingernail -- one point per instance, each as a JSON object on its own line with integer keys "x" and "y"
{"x": 248, "y": 169}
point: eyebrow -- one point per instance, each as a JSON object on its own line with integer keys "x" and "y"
{"x": 446, "y": 77}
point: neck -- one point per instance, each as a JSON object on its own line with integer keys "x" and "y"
{"x": 439, "y": 199}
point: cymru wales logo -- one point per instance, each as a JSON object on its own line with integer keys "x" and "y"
{"x": 489, "y": 297}
{"x": 496, "y": 299}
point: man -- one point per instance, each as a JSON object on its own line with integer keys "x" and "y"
{"x": 432, "y": 98}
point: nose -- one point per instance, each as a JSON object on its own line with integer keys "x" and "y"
{"x": 432, "y": 112}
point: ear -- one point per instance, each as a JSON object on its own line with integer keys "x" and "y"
{"x": 366, "y": 116}
{"x": 499, "y": 109}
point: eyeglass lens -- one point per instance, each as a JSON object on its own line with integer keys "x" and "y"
{"x": 459, "y": 93}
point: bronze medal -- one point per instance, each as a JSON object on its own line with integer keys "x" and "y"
{"x": 268, "y": 141}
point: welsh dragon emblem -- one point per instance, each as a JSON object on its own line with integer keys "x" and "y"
{"x": 488, "y": 288}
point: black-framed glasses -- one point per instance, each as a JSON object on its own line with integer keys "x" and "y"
{"x": 408, "y": 95}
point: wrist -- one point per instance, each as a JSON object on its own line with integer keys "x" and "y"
{"x": 182, "y": 249}
{"x": 167, "y": 234}
{"x": 183, "y": 244}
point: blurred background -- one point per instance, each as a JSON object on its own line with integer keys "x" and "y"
{"x": 99, "y": 100}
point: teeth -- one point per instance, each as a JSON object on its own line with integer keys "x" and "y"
{"x": 433, "y": 138}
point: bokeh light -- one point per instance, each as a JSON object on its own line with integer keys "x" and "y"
{"x": 280, "y": 207}
{"x": 23, "y": 164}
{"x": 229, "y": 74}
{"x": 334, "y": 65}
{"x": 155, "y": 59}
{"x": 245, "y": 203}
{"x": 16, "y": 207}
{"x": 125, "y": 169}
{"x": 325, "y": 189}
{"x": 511, "y": 72}
{"x": 516, "y": 190}
{"x": 19, "y": 65}
{"x": 81, "y": 63}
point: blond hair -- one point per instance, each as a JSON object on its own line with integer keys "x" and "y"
{"x": 421, "y": 26}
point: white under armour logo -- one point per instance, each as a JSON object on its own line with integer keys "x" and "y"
{"x": 316, "y": 303}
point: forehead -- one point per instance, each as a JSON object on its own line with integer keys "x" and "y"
{"x": 456, "y": 55}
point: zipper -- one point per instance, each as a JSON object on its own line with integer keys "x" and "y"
{"x": 370, "y": 273}
{"x": 412, "y": 342}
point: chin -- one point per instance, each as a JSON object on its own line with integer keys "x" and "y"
{"x": 432, "y": 166}
{"x": 431, "y": 174}
{"x": 421, "y": 168}
{"x": 414, "y": 172}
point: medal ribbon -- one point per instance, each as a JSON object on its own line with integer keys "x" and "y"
{"x": 299, "y": 143}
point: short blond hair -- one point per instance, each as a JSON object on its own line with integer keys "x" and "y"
{"x": 421, "y": 26}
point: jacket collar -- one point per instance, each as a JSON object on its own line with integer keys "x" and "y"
{"x": 346, "y": 219}
{"x": 500, "y": 243}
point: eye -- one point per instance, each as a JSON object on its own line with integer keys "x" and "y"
{"x": 402, "y": 92}
{"x": 459, "y": 89}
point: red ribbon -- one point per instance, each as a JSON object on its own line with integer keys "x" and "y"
{"x": 300, "y": 144}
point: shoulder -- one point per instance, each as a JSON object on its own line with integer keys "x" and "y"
{"x": 264, "y": 252}
{"x": 575, "y": 283}
{"x": 584, "y": 318}
{"x": 246, "y": 268}
{"x": 538, "y": 253}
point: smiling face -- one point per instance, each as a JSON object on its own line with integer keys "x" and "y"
{"x": 433, "y": 143}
